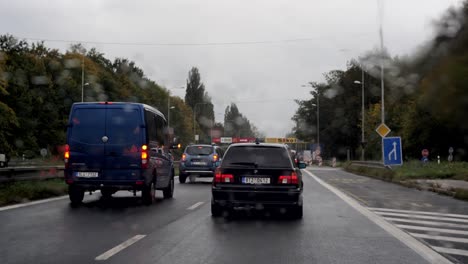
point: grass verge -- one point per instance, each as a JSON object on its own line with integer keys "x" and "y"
{"x": 23, "y": 191}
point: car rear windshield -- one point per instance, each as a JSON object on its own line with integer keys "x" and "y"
{"x": 87, "y": 125}
{"x": 259, "y": 156}
{"x": 123, "y": 126}
{"x": 199, "y": 150}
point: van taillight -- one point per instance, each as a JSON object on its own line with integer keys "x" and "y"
{"x": 66, "y": 155}
{"x": 288, "y": 179}
{"x": 222, "y": 177}
{"x": 144, "y": 156}
{"x": 215, "y": 157}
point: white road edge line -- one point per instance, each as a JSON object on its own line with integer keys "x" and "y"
{"x": 195, "y": 206}
{"x": 119, "y": 247}
{"x": 452, "y": 251}
{"x": 415, "y": 212}
{"x": 444, "y": 238}
{"x": 424, "y": 251}
{"x": 14, "y": 206}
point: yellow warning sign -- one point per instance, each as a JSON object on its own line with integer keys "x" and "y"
{"x": 383, "y": 130}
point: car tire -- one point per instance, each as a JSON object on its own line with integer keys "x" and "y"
{"x": 148, "y": 193}
{"x": 216, "y": 210}
{"x": 182, "y": 178}
{"x": 168, "y": 192}
{"x": 76, "y": 195}
{"x": 296, "y": 212}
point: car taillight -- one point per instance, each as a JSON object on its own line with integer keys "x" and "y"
{"x": 66, "y": 155}
{"x": 144, "y": 156}
{"x": 288, "y": 179}
{"x": 223, "y": 177}
{"x": 184, "y": 157}
{"x": 215, "y": 158}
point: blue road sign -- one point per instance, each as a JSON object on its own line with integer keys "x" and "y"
{"x": 392, "y": 154}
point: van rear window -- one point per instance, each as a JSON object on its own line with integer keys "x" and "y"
{"x": 88, "y": 125}
{"x": 123, "y": 126}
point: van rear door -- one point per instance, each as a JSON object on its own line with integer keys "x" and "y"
{"x": 125, "y": 132}
{"x": 85, "y": 138}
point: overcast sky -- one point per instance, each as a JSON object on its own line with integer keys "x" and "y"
{"x": 263, "y": 79}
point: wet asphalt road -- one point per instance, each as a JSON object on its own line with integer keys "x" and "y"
{"x": 181, "y": 230}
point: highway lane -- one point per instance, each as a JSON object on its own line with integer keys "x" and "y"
{"x": 182, "y": 230}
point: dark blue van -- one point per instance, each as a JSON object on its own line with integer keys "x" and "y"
{"x": 117, "y": 146}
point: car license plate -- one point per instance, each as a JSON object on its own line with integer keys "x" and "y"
{"x": 255, "y": 180}
{"x": 87, "y": 174}
{"x": 199, "y": 163}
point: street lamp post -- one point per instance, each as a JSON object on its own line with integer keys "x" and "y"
{"x": 169, "y": 107}
{"x": 82, "y": 79}
{"x": 363, "y": 141}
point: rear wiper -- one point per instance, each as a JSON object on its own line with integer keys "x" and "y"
{"x": 245, "y": 163}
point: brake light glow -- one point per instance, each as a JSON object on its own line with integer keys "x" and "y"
{"x": 66, "y": 155}
{"x": 184, "y": 157}
{"x": 223, "y": 178}
{"x": 215, "y": 157}
{"x": 144, "y": 156}
{"x": 288, "y": 179}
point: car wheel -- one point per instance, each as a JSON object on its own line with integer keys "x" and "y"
{"x": 216, "y": 210}
{"x": 296, "y": 212}
{"x": 182, "y": 178}
{"x": 76, "y": 195}
{"x": 148, "y": 193}
{"x": 168, "y": 192}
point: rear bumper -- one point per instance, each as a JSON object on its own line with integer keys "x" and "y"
{"x": 209, "y": 172}
{"x": 257, "y": 198}
{"x": 115, "y": 179}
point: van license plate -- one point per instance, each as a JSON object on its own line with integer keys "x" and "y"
{"x": 255, "y": 180}
{"x": 87, "y": 174}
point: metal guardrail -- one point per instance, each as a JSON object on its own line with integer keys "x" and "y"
{"x": 24, "y": 173}
{"x": 369, "y": 164}
{"x": 30, "y": 173}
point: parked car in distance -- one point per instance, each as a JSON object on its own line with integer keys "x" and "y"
{"x": 199, "y": 160}
{"x": 258, "y": 176}
{"x": 117, "y": 146}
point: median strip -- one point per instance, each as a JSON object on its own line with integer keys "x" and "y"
{"x": 111, "y": 252}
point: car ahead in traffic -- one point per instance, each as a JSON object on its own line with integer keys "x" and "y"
{"x": 257, "y": 176}
{"x": 117, "y": 146}
{"x": 199, "y": 160}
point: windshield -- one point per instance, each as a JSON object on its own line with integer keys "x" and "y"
{"x": 199, "y": 150}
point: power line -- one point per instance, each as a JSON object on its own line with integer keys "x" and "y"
{"x": 233, "y": 43}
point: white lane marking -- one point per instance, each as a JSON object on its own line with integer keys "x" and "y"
{"x": 433, "y": 229}
{"x": 448, "y": 219}
{"x": 176, "y": 176}
{"x": 119, "y": 247}
{"x": 452, "y": 251}
{"x": 195, "y": 206}
{"x": 14, "y": 206}
{"x": 444, "y": 238}
{"x": 422, "y": 222}
{"x": 424, "y": 251}
{"x": 416, "y": 212}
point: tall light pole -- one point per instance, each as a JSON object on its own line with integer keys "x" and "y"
{"x": 82, "y": 78}
{"x": 363, "y": 141}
